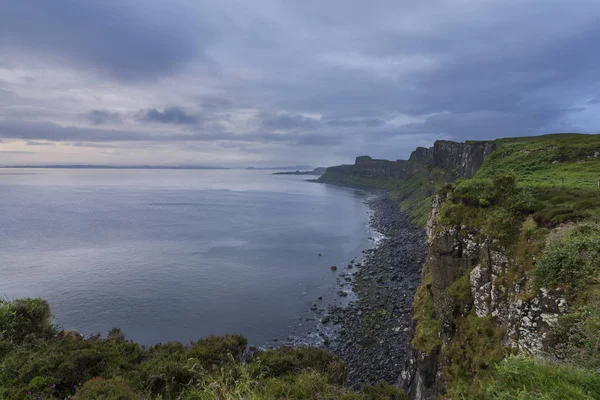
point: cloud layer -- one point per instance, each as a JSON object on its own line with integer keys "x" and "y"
{"x": 288, "y": 82}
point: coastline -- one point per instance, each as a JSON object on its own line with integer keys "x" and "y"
{"x": 373, "y": 332}
{"x": 370, "y": 327}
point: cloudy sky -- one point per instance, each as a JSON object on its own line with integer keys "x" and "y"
{"x": 274, "y": 82}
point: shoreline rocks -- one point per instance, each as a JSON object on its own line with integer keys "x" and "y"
{"x": 369, "y": 324}
{"x": 372, "y": 333}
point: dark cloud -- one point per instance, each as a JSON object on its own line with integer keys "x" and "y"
{"x": 114, "y": 37}
{"x": 343, "y": 76}
{"x": 101, "y": 117}
{"x": 170, "y": 115}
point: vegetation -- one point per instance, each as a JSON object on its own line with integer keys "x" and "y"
{"x": 537, "y": 200}
{"x": 571, "y": 260}
{"x": 474, "y": 353}
{"x": 519, "y": 378}
{"x": 427, "y": 333}
{"x": 39, "y": 361}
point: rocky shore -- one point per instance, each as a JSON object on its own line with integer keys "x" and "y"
{"x": 372, "y": 333}
{"x": 368, "y": 323}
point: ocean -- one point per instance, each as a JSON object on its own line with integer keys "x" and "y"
{"x": 175, "y": 255}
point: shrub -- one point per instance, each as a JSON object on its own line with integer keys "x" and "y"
{"x": 578, "y": 337}
{"x": 571, "y": 260}
{"x": 68, "y": 361}
{"x": 287, "y": 360}
{"x": 25, "y": 319}
{"x": 383, "y": 391}
{"x": 106, "y": 389}
{"x": 215, "y": 351}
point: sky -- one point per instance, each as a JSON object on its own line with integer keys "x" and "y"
{"x": 287, "y": 82}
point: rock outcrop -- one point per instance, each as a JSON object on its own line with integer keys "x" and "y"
{"x": 454, "y": 159}
{"x": 462, "y": 252}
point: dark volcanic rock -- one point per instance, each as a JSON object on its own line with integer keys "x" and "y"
{"x": 374, "y": 331}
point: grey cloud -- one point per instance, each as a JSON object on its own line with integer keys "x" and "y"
{"x": 498, "y": 69}
{"x": 170, "y": 115}
{"x": 365, "y": 122}
{"x": 111, "y": 36}
{"x": 34, "y": 131}
{"x": 36, "y": 143}
{"x": 288, "y": 122}
{"x": 593, "y": 101}
{"x": 16, "y": 152}
{"x": 101, "y": 117}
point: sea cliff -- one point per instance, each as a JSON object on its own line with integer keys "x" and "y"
{"x": 510, "y": 287}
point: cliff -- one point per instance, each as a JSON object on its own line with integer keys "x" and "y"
{"x": 511, "y": 271}
{"x": 412, "y": 182}
{"x": 455, "y": 159}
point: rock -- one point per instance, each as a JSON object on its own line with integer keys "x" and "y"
{"x": 333, "y": 268}
{"x": 320, "y": 298}
{"x": 313, "y": 306}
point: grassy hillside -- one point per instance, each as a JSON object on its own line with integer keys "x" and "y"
{"x": 39, "y": 361}
{"x": 537, "y": 198}
{"x": 413, "y": 194}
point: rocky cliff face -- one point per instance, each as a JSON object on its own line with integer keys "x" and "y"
{"x": 462, "y": 254}
{"x": 454, "y": 159}
{"x": 464, "y": 158}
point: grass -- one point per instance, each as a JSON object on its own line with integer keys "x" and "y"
{"x": 472, "y": 355}
{"x": 525, "y": 190}
{"x": 572, "y": 259}
{"x": 39, "y": 361}
{"x": 546, "y": 160}
{"x": 428, "y": 330}
{"x": 519, "y": 378}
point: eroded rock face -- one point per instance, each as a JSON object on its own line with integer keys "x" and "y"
{"x": 465, "y": 158}
{"x": 528, "y": 317}
{"x": 455, "y": 159}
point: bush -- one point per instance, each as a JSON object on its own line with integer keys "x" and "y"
{"x": 573, "y": 260}
{"x": 215, "y": 351}
{"x": 383, "y": 391}
{"x": 106, "y": 389}
{"x": 287, "y": 360}
{"x": 25, "y": 319}
{"x": 69, "y": 362}
{"x": 578, "y": 337}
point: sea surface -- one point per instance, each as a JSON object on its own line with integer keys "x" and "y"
{"x": 177, "y": 254}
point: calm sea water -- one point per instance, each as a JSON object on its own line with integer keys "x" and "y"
{"x": 175, "y": 254}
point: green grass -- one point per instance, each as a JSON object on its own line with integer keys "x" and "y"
{"x": 471, "y": 356}
{"x": 571, "y": 260}
{"x": 427, "y": 333}
{"x": 526, "y": 189}
{"x": 519, "y": 378}
{"x": 39, "y": 361}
